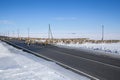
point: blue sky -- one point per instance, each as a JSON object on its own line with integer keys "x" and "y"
{"x": 65, "y": 16}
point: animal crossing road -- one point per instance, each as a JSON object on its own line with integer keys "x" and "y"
{"x": 94, "y": 66}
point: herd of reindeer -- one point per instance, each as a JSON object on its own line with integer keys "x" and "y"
{"x": 46, "y": 41}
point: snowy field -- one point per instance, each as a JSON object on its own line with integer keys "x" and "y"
{"x": 18, "y": 65}
{"x": 107, "y": 48}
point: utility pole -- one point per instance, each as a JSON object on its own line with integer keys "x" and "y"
{"x": 102, "y": 32}
{"x": 13, "y": 34}
{"x": 7, "y": 33}
{"x": 18, "y": 32}
{"x": 28, "y": 33}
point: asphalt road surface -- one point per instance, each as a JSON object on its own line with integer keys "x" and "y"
{"x": 98, "y": 66}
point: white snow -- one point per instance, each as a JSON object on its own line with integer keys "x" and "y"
{"x": 110, "y": 48}
{"x": 41, "y": 41}
{"x": 18, "y": 65}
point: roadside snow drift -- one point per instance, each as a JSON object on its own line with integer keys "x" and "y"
{"x": 18, "y": 65}
{"x": 107, "y": 48}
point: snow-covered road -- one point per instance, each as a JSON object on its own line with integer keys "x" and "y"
{"x": 18, "y": 65}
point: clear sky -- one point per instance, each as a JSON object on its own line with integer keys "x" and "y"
{"x": 83, "y": 17}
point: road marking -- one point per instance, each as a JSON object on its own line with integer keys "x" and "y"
{"x": 87, "y": 59}
{"x": 85, "y": 74}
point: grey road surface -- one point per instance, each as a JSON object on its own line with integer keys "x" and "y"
{"x": 98, "y": 66}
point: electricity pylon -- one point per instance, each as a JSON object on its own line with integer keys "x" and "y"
{"x": 50, "y": 36}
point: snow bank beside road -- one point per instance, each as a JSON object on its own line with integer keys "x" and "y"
{"x": 18, "y": 65}
{"x": 111, "y": 48}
